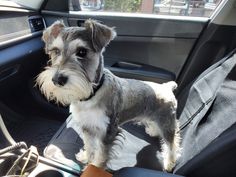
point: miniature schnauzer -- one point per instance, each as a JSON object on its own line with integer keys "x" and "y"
{"x": 101, "y": 101}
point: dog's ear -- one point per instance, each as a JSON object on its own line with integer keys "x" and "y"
{"x": 101, "y": 34}
{"x": 52, "y": 32}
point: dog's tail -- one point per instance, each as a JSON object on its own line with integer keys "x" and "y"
{"x": 172, "y": 85}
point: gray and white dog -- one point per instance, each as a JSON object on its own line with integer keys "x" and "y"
{"x": 100, "y": 101}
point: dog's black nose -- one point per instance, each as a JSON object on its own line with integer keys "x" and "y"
{"x": 59, "y": 80}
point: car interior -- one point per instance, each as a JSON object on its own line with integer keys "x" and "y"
{"x": 157, "y": 48}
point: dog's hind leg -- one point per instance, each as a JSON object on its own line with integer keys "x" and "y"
{"x": 151, "y": 128}
{"x": 171, "y": 145}
{"x": 168, "y": 131}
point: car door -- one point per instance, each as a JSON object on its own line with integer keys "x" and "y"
{"x": 155, "y": 39}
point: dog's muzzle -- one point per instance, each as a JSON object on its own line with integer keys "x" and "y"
{"x": 59, "y": 79}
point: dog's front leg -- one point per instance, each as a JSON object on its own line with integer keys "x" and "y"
{"x": 87, "y": 153}
{"x": 100, "y": 154}
{"x": 95, "y": 150}
{"x": 104, "y": 144}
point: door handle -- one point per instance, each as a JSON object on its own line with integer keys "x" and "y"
{"x": 127, "y": 65}
{"x": 80, "y": 23}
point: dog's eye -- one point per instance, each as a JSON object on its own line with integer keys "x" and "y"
{"x": 57, "y": 51}
{"x": 81, "y": 52}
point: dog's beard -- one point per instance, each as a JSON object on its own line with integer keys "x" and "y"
{"x": 77, "y": 88}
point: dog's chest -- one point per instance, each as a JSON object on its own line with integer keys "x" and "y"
{"x": 88, "y": 116}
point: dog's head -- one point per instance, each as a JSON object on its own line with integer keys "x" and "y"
{"x": 76, "y": 61}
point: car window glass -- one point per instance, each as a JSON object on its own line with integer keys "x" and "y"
{"x": 197, "y": 8}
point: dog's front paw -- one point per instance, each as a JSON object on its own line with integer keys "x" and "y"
{"x": 82, "y": 156}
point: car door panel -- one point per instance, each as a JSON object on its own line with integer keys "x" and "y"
{"x": 165, "y": 53}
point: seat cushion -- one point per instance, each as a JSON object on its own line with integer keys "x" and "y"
{"x": 132, "y": 148}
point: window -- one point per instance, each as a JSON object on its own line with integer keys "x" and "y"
{"x": 197, "y": 8}
{"x": 35, "y": 4}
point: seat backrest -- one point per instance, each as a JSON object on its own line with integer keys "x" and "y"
{"x": 208, "y": 112}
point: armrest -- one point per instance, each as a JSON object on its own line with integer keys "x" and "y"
{"x": 141, "y": 172}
